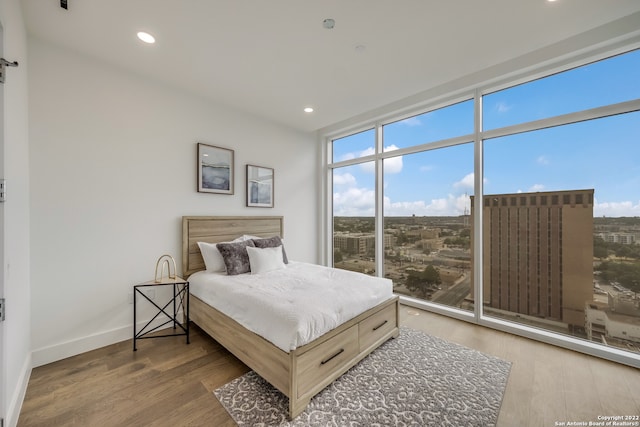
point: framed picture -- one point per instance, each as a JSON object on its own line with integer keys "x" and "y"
{"x": 215, "y": 169}
{"x": 259, "y": 187}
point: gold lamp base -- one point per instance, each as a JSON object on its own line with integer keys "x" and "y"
{"x": 168, "y": 262}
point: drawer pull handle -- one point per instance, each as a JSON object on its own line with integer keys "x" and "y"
{"x": 380, "y": 325}
{"x": 332, "y": 357}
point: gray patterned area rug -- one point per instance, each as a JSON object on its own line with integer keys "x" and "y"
{"x": 413, "y": 380}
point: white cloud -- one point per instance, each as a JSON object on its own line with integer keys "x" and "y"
{"x": 411, "y": 121}
{"x": 347, "y": 156}
{"x": 368, "y": 152}
{"x": 463, "y": 204}
{"x": 361, "y": 202}
{"x": 466, "y": 182}
{"x": 536, "y": 187}
{"x": 502, "y": 107}
{"x": 543, "y": 160}
{"x": 369, "y": 167}
{"x": 391, "y": 165}
{"x": 344, "y": 179}
{"x": 446, "y": 206}
{"x": 354, "y": 202}
{"x": 391, "y": 147}
{"x": 614, "y": 209}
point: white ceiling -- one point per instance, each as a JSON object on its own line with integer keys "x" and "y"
{"x": 273, "y": 57}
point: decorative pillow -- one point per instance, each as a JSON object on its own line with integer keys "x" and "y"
{"x": 265, "y": 259}
{"x": 272, "y": 242}
{"x": 211, "y": 255}
{"x": 236, "y": 259}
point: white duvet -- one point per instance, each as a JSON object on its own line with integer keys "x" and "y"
{"x": 293, "y": 306}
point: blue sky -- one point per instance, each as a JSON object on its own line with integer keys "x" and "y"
{"x": 602, "y": 154}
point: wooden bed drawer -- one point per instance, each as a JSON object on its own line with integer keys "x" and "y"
{"x": 376, "y": 326}
{"x": 317, "y": 363}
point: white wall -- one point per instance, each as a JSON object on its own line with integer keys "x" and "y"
{"x": 113, "y": 171}
{"x": 16, "y": 346}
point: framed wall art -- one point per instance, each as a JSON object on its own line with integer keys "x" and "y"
{"x": 215, "y": 169}
{"x": 259, "y": 186}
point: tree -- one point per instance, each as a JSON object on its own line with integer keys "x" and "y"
{"x": 423, "y": 282}
{"x": 625, "y": 273}
{"x": 600, "y": 252}
{"x": 600, "y": 249}
{"x": 432, "y": 276}
{"x": 458, "y": 241}
{"x": 401, "y": 238}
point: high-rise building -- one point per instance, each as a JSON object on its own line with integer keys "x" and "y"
{"x": 538, "y": 254}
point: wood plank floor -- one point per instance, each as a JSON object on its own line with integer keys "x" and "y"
{"x": 169, "y": 383}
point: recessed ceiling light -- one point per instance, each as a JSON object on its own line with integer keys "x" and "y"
{"x": 146, "y": 37}
{"x": 308, "y": 109}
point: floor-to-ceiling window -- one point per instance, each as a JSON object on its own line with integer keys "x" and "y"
{"x": 427, "y": 189}
{"x": 353, "y": 200}
{"x": 537, "y": 185}
{"x": 561, "y": 206}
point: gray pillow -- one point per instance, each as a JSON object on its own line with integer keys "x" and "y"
{"x": 235, "y": 257}
{"x": 272, "y": 242}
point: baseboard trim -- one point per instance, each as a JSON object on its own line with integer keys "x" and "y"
{"x": 53, "y": 353}
{"x": 15, "y": 405}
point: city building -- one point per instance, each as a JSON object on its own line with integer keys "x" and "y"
{"x": 349, "y": 243}
{"x": 616, "y": 322}
{"x": 622, "y": 238}
{"x": 538, "y": 254}
{"x": 430, "y": 233}
{"x": 430, "y": 244}
{"x": 355, "y": 243}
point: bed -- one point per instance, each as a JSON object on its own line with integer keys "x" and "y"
{"x": 306, "y": 369}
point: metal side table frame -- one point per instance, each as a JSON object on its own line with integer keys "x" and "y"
{"x": 179, "y": 301}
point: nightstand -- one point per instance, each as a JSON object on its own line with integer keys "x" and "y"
{"x": 169, "y": 310}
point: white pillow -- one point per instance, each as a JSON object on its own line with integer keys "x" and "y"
{"x": 265, "y": 259}
{"x": 212, "y": 257}
{"x": 245, "y": 237}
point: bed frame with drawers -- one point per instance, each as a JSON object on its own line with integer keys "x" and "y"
{"x": 301, "y": 373}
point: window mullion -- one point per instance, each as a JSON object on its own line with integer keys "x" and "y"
{"x": 477, "y": 208}
{"x": 565, "y": 119}
{"x": 379, "y": 210}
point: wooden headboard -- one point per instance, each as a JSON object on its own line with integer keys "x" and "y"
{"x": 215, "y": 229}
